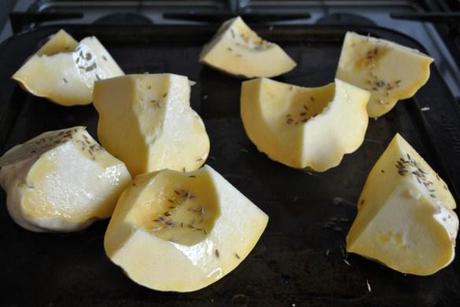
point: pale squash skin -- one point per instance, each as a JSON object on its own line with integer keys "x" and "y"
{"x": 70, "y": 68}
{"x": 405, "y": 214}
{"x": 146, "y": 120}
{"x": 59, "y": 42}
{"x": 181, "y": 232}
{"x": 237, "y": 50}
{"x": 390, "y": 72}
{"x": 43, "y": 192}
{"x": 304, "y": 127}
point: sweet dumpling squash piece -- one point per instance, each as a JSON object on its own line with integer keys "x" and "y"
{"x": 61, "y": 181}
{"x": 238, "y": 50}
{"x": 176, "y": 231}
{"x": 147, "y": 122}
{"x": 390, "y": 72}
{"x": 64, "y": 71}
{"x": 405, "y": 214}
{"x": 304, "y": 127}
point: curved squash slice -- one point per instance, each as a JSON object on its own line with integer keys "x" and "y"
{"x": 175, "y": 231}
{"x": 61, "y": 181}
{"x": 238, "y": 50}
{"x": 304, "y": 127}
{"x": 59, "y": 42}
{"x": 405, "y": 218}
{"x": 146, "y": 121}
{"x": 64, "y": 71}
{"x": 391, "y": 72}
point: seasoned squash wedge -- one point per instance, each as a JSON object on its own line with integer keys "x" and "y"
{"x": 405, "y": 218}
{"x": 238, "y": 50}
{"x": 64, "y": 71}
{"x": 147, "y": 122}
{"x": 175, "y": 231}
{"x": 390, "y": 72}
{"x": 61, "y": 180}
{"x": 304, "y": 127}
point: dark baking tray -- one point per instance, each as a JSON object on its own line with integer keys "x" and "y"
{"x": 298, "y": 261}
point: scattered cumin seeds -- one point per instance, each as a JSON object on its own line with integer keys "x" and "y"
{"x": 216, "y": 252}
{"x": 368, "y": 286}
{"x": 237, "y": 256}
{"x": 91, "y": 67}
{"x": 337, "y": 229}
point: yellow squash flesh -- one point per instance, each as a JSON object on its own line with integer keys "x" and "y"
{"x": 147, "y": 122}
{"x": 61, "y": 181}
{"x": 175, "y": 231}
{"x": 304, "y": 127}
{"x": 70, "y": 69}
{"x": 238, "y": 50}
{"x": 405, "y": 218}
{"x": 390, "y": 72}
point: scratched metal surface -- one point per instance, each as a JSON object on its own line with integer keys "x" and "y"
{"x": 298, "y": 260}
